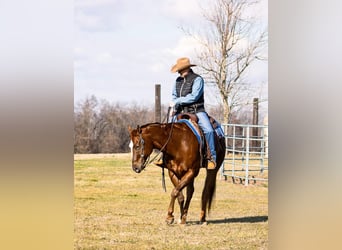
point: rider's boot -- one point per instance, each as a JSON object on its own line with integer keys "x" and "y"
{"x": 159, "y": 162}
{"x": 211, "y": 164}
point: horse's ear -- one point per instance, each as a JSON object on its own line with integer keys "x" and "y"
{"x": 129, "y": 129}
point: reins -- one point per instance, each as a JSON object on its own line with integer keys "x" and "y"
{"x": 148, "y": 161}
{"x": 165, "y": 144}
{"x": 168, "y": 139}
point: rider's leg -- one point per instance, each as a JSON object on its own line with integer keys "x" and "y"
{"x": 204, "y": 123}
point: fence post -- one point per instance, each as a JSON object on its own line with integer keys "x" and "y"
{"x": 255, "y": 133}
{"x": 247, "y": 155}
{"x": 234, "y": 142}
{"x": 266, "y": 135}
{"x": 157, "y": 107}
{"x": 262, "y": 148}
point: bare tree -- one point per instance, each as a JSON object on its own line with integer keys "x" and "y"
{"x": 229, "y": 45}
{"x": 85, "y": 120}
{"x": 101, "y": 127}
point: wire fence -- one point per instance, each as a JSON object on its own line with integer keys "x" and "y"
{"x": 246, "y": 157}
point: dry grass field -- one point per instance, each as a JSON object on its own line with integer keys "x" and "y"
{"x": 116, "y": 208}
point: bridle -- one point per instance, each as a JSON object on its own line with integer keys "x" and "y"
{"x": 141, "y": 147}
{"x": 141, "y": 144}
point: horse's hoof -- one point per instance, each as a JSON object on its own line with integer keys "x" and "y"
{"x": 169, "y": 221}
{"x": 203, "y": 223}
{"x": 182, "y": 220}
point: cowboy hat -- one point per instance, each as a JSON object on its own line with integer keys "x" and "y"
{"x": 182, "y": 63}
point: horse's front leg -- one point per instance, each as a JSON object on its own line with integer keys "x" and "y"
{"x": 184, "y": 181}
{"x": 175, "y": 181}
{"x": 170, "y": 217}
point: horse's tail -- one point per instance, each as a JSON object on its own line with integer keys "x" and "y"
{"x": 208, "y": 193}
{"x": 210, "y": 180}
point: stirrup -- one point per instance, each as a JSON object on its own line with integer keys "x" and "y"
{"x": 158, "y": 162}
{"x": 211, "y": 164}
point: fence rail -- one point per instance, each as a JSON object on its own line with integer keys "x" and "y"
{"x": 246, "y": 152}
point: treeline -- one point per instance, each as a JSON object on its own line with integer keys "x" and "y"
{"x": 102, "y": 127}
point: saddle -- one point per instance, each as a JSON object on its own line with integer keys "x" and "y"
{"x": 205, "y": 146}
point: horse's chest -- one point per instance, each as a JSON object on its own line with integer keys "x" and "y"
{"x": 177, "y": 169}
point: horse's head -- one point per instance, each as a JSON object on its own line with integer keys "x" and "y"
{"x": 140, "y": 150}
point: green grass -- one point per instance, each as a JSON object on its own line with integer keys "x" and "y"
{"x": 115, "y": 208}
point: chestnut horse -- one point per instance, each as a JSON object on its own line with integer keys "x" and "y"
{"x": 182, "y": 157}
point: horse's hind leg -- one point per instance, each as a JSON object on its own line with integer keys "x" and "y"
{"x": 189, "y": 192}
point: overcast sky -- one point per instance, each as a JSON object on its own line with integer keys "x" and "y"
{"x": 123, "y": 48}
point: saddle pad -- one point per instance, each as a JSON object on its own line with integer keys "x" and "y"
{"x": 192, "y": 127}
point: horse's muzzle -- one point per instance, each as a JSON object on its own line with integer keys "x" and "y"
{"x": 138, "y": 165}
{"x": 136, "y": 169}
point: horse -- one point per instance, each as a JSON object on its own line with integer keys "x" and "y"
{"x": 182, "y": 157}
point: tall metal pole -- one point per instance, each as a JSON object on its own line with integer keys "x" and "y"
{"x": 157, "y": 101}
{"x": 247, "y": 157}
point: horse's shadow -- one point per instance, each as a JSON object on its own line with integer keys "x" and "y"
{"x": 248, "y": 219}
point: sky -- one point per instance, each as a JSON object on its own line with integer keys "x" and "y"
{"x": 122, "y": 49}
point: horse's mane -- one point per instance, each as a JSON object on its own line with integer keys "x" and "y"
{"x": 154, "y": 124}
{"x": 150, "y": 124}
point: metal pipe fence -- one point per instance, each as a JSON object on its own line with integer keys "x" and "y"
{"x": 246, "y": 153}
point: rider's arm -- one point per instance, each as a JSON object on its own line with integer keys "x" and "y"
{"x": 197, "y": 91}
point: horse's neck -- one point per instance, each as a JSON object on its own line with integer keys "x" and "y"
{"x": 158, "y": 136}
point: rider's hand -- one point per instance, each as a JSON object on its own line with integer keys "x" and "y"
{"x": 172, "y": 104}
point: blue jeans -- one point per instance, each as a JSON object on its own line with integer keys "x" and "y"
{"x": 204, "y": 123}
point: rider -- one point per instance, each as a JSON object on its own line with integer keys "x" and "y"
{"x": 188, "y": 96}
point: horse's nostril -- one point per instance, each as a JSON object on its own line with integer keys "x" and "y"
{"x": 137, "y": 170}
